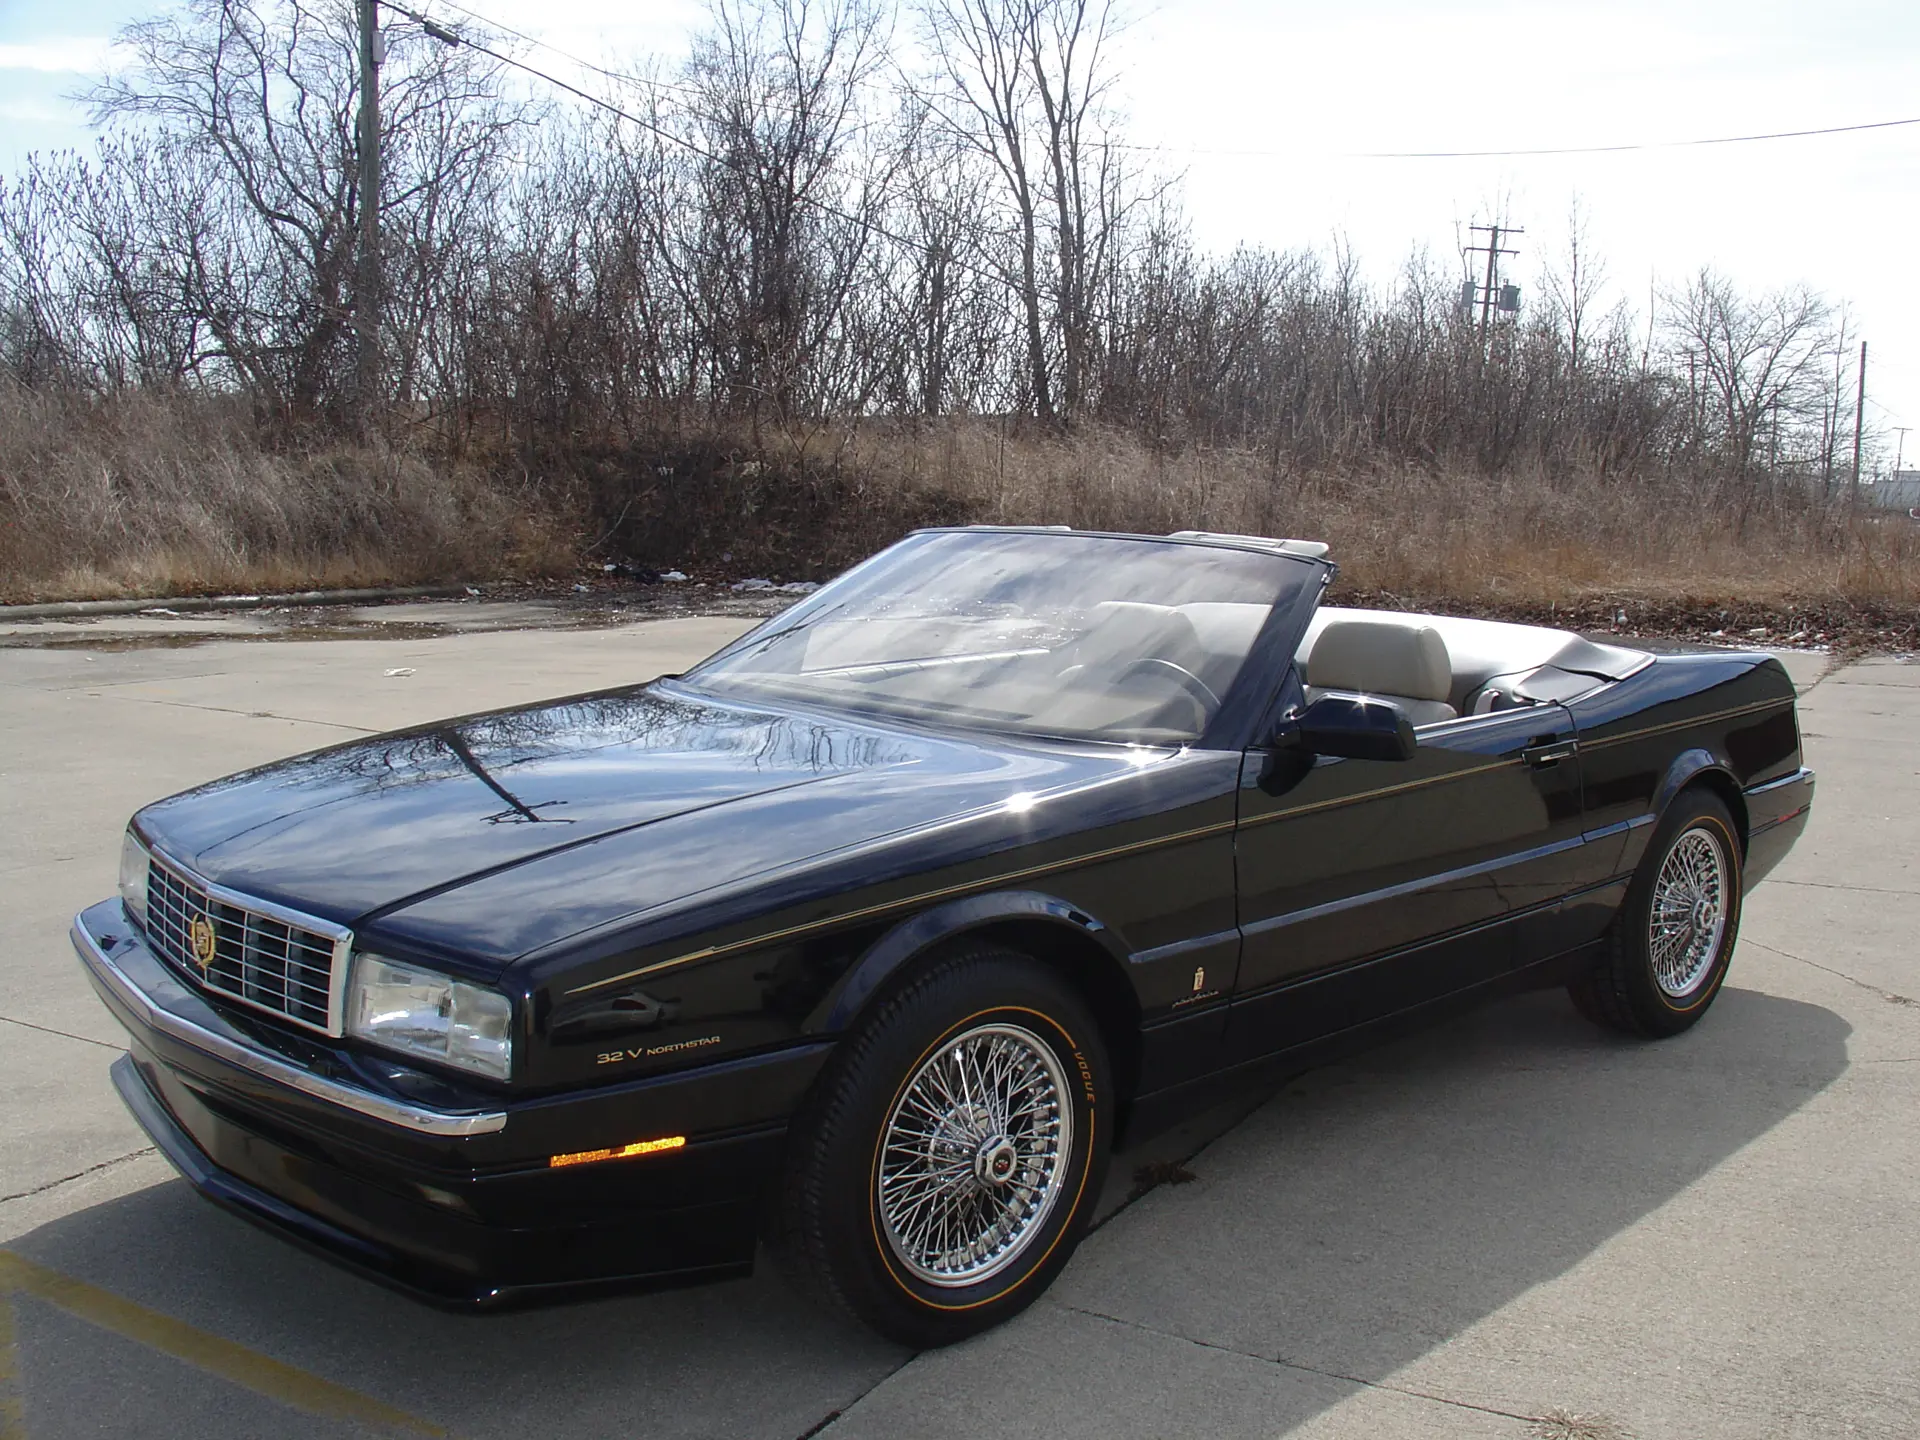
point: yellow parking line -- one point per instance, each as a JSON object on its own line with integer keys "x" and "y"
{"x": 248, "y": 1368}
{"x": 13, "y": 1420}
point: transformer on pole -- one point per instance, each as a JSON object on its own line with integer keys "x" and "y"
{"x": 1490, "y": 295}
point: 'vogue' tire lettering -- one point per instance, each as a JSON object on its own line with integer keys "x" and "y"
{"x": 944, "y": 1170}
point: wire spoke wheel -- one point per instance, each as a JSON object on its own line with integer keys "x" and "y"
{"x": 1688, "y": 917}
{"x": 973, "y": 1155}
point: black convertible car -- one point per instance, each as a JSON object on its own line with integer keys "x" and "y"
{"x": 874, "y": 934}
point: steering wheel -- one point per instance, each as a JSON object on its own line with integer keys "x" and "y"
{"x": 1185, "y": 678}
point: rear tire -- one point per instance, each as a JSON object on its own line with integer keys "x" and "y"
{"x": 1668, "y": 949}
{"x": 948, "y": 1162}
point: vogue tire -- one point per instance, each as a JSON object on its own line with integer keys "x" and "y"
{"x": 1669, "y": 947}
{"x": 948, "y": 1161}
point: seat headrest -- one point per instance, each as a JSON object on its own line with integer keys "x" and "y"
{"x": 1226, "y": 627}
{"x": 1119, "y": 629}
{"x": 1381, "y": 657}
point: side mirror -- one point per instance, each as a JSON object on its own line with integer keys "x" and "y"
{"x": 1352, "y": 727}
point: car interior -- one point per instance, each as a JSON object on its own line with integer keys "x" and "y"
{"x": 1443, "y": 667}
{"x": 1435, "y": 667}
{"x": 1156, "y": 673}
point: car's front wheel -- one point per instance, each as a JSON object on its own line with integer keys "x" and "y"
{"x": 1670, "y": 944}
{"x": 948, "y": 1162}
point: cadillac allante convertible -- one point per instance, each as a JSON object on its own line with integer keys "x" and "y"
{"x": 873, "y": 935}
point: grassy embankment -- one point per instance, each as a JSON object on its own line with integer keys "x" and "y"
{"x": 145, "y": 496}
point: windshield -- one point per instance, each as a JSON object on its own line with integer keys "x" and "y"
{"x": 1078, "y": 636}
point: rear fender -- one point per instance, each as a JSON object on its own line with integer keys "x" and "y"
{"x": 1701, "y": 766}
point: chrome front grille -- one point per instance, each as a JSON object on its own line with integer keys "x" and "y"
{"x": 276, "y": 960}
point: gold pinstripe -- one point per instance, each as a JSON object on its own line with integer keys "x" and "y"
{"x": 1402, "y": 788}
{"x": 948, "y": 892}
{"x": 1662, "y": 729}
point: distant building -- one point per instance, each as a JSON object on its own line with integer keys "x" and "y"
{"x": 1897, "y": 491}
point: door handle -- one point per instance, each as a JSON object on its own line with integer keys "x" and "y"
{"x": 1541, "y": 756}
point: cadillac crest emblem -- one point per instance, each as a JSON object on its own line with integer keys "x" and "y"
{"x": 200, "y": 937}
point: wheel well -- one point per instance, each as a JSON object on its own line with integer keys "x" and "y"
{"x": 1722, "y": 785}
{"x": 1091, "y": 971}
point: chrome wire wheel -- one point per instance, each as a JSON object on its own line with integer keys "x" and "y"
{"x": 974, "y": 1154}
{"x": 1688, "y": 917}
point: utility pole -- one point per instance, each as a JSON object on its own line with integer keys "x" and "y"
{"x": 1900, "y": 449}
{"x": 1488, "y": 290}
{"x": 1859, "y": 415}
{"x": 366, "y": 288}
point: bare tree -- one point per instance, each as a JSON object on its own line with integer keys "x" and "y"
{"x": 262, "y": 94}
{"x": 1573, "y": 281}
{"x": 784, "y": 240}
{"x": 1026, "y": 84}
{"x": 782, "y": 220}
{"x": 1753, "y": 359}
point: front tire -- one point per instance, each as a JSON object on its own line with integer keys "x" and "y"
{"x": 1670, "y": 945}
{"x": 948, "y": 1162}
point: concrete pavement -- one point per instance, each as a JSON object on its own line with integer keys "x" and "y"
{"x": 1499, "y": 1227}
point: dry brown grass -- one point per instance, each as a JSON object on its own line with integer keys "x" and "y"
{"x": 1517, "y": 540}
{"x": 149, "y": 495}
{"x": 154, "y": 495}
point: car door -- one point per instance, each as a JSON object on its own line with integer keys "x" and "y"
{"x": 1367, "y": 886}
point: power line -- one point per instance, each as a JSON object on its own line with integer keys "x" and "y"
{"x": 1503, "y": 154}
{"x": 1611, "y": 149}
{"x": 450, "y": 37}
{"x": 453, "y": 37}
{"x": 623, "y": 77}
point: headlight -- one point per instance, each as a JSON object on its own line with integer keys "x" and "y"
{"x": 422, "y": 1012}
{"x": 133, "y": 878}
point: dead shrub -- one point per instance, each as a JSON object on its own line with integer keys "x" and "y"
{"x": 143, "y": 493}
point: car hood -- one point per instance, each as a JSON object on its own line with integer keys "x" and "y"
{"x": 359, "y": 828}
{"x": 492, "y": 834}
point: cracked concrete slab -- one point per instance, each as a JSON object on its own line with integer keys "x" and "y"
{"x": 1064, "y": 1371}
{"x": 1899, "y": 672}
{"x": 60, "y": 1109}
{"x": 82, "y": 1383}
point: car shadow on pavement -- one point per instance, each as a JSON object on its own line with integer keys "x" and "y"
{"x": 1374, "y": 1211}
{"x": 1367, "y": 1214}
{"x": 743, "y": 1358}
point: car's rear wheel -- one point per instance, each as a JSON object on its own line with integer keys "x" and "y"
{"x": 1668, "y": 950}
{"x": 948, "y": 1162}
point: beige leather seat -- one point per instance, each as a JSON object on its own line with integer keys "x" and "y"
{"x": 1121, "y": 631}
{"x": 1225, "y": 632}
{"x": 1405, "y": 662}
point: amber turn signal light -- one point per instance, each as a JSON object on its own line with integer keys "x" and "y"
{"x": 624, "y": 1152}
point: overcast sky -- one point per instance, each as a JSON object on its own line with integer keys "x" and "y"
{"x": 1311, "y": 87}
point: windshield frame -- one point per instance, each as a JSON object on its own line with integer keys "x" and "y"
{"x": 1242, "y": 708}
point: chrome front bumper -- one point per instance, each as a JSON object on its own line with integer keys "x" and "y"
{"x": 144, "y": 994}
